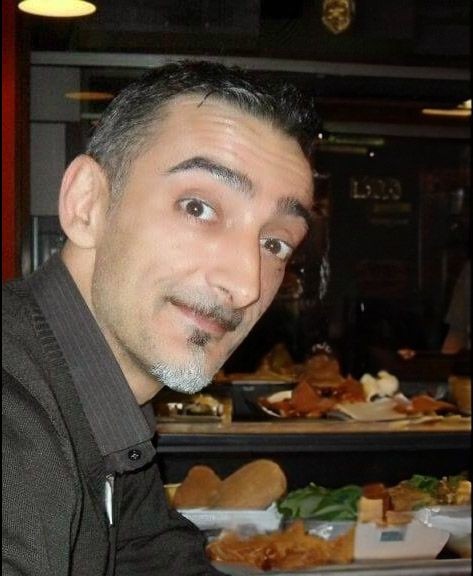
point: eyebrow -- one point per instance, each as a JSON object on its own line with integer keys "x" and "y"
{"x": 233, "y": 178}
{"x": 292, "y": 207}
{"x": 287, "y": 206}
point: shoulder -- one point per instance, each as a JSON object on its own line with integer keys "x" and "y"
{"x": 37, "y": 457}
{"x": 31, "y": 415}
{"x": 15, "y": 304}
{"x": 41, "y": 491}
{"x": 31, "y": 422}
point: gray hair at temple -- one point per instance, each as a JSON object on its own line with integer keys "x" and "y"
{"x": 128, "y": 123}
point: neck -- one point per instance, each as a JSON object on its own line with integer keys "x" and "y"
{"x": 143, "y": 385}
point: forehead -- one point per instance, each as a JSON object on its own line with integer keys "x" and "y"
{"x": 193, "y": 123}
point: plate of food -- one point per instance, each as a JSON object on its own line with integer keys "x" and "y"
{"x": 371, "y": 399}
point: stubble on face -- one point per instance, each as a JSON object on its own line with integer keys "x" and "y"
{"x": 193, "y": 376}
{"x": 189, "y": 378}
{"x": 187, "y": 373}
{"x": 136, "y": 286}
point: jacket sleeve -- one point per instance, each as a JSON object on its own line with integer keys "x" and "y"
{"x": 152, "y": 539}
{"x": 36, "y": 524}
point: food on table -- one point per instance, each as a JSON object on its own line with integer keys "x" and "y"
{"x": 287, "y": 550}
{"x": 277, "y": 361}
{"x": 172, "y": 405}
{"x": 321, "y": 370}
{"x": 310, "y": 401}
{"x": 198, "y": 489}
{"x": 381, "y": 385}
{"x": 420, "y": 491}
{"x": 253, "y": 486}
{"x": 395, "y": 505}
{"x": 320, "y": 503}
{"x": 317, "y": 399}
{"x": 375, "y": 502}
{"x": 277, "y": 365}
{"x": 423, "y": 404}
{"x": 406, "y": 353}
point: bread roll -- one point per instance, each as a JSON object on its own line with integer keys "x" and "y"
{"x": 254, "y": 486}
{"x": 198, "y": 489}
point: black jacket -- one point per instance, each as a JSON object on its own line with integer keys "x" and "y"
{"x": 54, "y": 517}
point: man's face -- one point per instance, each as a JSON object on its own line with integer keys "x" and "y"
{"x": 195, "y": 250}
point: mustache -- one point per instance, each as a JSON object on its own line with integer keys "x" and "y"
{"x": 228, "y": 318}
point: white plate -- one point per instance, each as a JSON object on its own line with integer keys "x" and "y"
{"x": 375, "y": 411}
{"x": 268, "y": 520}
{"x": 276, "y": 397}
{"x": 415, "y": 540}
{"x": 456, "y": 520}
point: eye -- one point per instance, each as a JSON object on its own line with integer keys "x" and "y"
{"x": 278, "y": 248}
{"x": 197, "y": 209}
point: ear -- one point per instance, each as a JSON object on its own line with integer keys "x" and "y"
{"x": 83, "y": 201}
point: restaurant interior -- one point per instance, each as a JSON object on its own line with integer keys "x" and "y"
{"x": 376, "y": 275}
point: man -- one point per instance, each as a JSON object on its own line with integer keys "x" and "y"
{"x": 180, "y": 218}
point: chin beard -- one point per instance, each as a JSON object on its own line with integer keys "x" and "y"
{"x": 192, "y": 377}
{"x": 188, "y": 379}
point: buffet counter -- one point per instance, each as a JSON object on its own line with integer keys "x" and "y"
{"x": 455, "y": 567}
{"x": 308, "y": 435}
{"x": 328, "y": 453}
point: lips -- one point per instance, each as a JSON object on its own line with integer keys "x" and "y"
{"x": 213, "y": 318}
{"x": 203, "y": 322}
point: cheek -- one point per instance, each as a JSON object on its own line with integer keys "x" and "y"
{"x": 270, "y": 283}
{"x": 271, "y": 280}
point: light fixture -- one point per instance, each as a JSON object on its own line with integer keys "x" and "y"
{"x": 338, "y": 15}
{"x": 462, "y": 110}
{"x": 372, "y": 141}
{"x": 89, "y": 96}
{"x": 57, "y": 8}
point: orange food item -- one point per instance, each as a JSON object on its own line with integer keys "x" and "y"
{"x": 377, "y": 491}
{"x": 305, "y": 398}
{"x": 288, "y": 550}
{"x": 405, "y": 498}
{"x": 311, "y": 401}
{"x": 255, "y": 486}
{"x": 350, "y": 390}
{"x": 198, "y": 489}
{"x": 322, "y": 369}
{"x": 424, "y": 404}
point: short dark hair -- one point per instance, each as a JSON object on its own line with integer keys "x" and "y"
{"x": 126, "y": 125}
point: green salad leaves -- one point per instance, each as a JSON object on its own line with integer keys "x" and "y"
{"x": 321, "y": 503}
{"x": 427, "y": 484}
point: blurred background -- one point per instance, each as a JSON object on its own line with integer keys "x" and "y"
{"x": 392, "y": 83}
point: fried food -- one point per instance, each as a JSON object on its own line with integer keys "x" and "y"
{"x": 198, "y": 489}
{"x": 405, "y": 497}
{"x": 424, "y": 404}
{"x": 421, "y": 491}
{"x": 288, "y": 550}
{"x": 322, "y": 370}
{"x": 308, "y": 401}
{"x": 277, "y": 361}
{"x": 254, "y": 486}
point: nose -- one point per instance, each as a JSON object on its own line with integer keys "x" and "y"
{"x": 235, "y": 270}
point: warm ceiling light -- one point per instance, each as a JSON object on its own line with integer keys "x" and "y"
{"x": 458, "y": 112}
{"x": 57, "y": 8}
{"x": 96, "y": 96}
{"x": 462, "y": 110}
